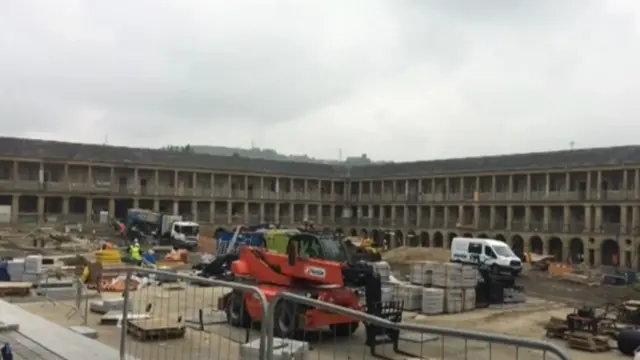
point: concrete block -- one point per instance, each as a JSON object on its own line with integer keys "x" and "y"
{"x": 64, "y": 293}
{"x": 106, "y": 305}
{"x": 85, "y": 331}
{"x": 417, "y": 338}
{"x": 55, "y": 283}
{"x": 167, "y": 278}
{"x": 9, "y": 327}
{"x": 283, "y": 349}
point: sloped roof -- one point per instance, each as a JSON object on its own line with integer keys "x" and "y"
{"x": 619, "y": 155}
{"x": 61, "y": 151}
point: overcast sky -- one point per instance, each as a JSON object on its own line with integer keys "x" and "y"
{"x": 398, "y": 80}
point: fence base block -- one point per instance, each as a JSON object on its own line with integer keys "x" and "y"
{"x": 283, "y": 349}
{"x": 85, "y": 331}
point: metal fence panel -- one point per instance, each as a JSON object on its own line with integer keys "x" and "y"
{"x": 417, "y": 340}
{"x": 166, "y": 305}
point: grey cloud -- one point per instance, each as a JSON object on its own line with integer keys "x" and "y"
{"x": 397, "y": 80}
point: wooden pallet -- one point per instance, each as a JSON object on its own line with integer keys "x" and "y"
{"x": 556, "y": 328}
{"x": 115, "y": 316}
{"x": 588, "y": 342}
{"x": 156, "y": 329}
{"x": 21, "y": 289}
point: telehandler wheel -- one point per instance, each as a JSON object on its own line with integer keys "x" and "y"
{"x": 236, "y": 310}
{"x": 344, "y": 330}
{"x": 285, "y": 322}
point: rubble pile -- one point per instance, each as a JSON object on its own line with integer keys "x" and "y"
{"x": 43, "y": 239}
{"x": 406, "y": 255}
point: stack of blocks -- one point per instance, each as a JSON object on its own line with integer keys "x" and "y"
{"x": 33, "y": 268}
{"x": 514, "y": 295}
{"x": 432, "y": 301}
{"x": 15, "y": 268}
{"x": 383, "y": 269}
{"x": 451, "y": 286}
{"x": 421, "y": 272}
{"x": 411, "y": 295}
{"x": 458, "y": 282}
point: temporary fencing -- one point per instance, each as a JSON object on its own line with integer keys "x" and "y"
{"x": 187, "y": 308}
{"x": 182, "y": 312}
{"x": 415, "y": 340}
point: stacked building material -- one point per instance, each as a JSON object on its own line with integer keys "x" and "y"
{"x": 15, "y": 268}
{"x": 514, "y": 295}
{"x": 411, "y": 295}
{"x": 470, "y": 277}
{"x": 432, "y": 301}
{"x": 33, "y": 268}
{"x": 455, "y": 279}
{"x": 454, "y": 275}
{"x": 422, "y": 272}
{"x": 453, "y": 300}
{"x": 388, "y": 292}
{"x": 469, "y": 299}
{"x": 383, "y": 269}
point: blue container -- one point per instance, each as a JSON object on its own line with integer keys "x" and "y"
{"x": 224, "y": 239}
{"x": 619, "y": 276}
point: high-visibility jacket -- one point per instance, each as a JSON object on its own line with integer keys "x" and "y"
{"x": 135, "y": 253}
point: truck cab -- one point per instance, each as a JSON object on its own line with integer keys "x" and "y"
{"x": 185, "y": 234}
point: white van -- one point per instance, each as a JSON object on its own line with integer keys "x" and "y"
{"x": 493, "y": 253}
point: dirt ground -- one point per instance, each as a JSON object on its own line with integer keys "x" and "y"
{"x": 222, "y": 342}
{"x": 547, "y": 297}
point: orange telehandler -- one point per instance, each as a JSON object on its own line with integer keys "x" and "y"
{"x": 319, "y": 266}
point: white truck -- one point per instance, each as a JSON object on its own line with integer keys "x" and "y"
{"x": 185, "y": 234}
{"x": 177, "y": 232}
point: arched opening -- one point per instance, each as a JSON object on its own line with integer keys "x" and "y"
{"x": 501, "y": 237}
{"x": 483, "y": 236}
{"x": 555, "y": 248}
{"x": 387, "y": 238}
{"x": 413, "y": 239}
{"x": 517, "y": 245}
{"x": 467, "y": 235}
{"x": 424, "y": 239}
{"x": 576, "y": 251}
{"x": 450, "y": 239}
{"x": 353, "y": 232}
{"x": 438, "y": 240}
{"x": 377, "y": 237}
{"x": 339, "y": 231}
{"x": 536, "y": 245}
{"x": 610, "y": 252}
{"x": 364, "y": 232}
{"x": 399, "y": 237}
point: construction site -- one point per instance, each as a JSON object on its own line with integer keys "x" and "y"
{"x": 66, "y": 276}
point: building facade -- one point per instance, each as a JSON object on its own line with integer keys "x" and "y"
{"x": 580, "y": 205}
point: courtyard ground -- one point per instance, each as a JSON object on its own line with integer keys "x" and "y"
{"x": 222, "y": 342}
